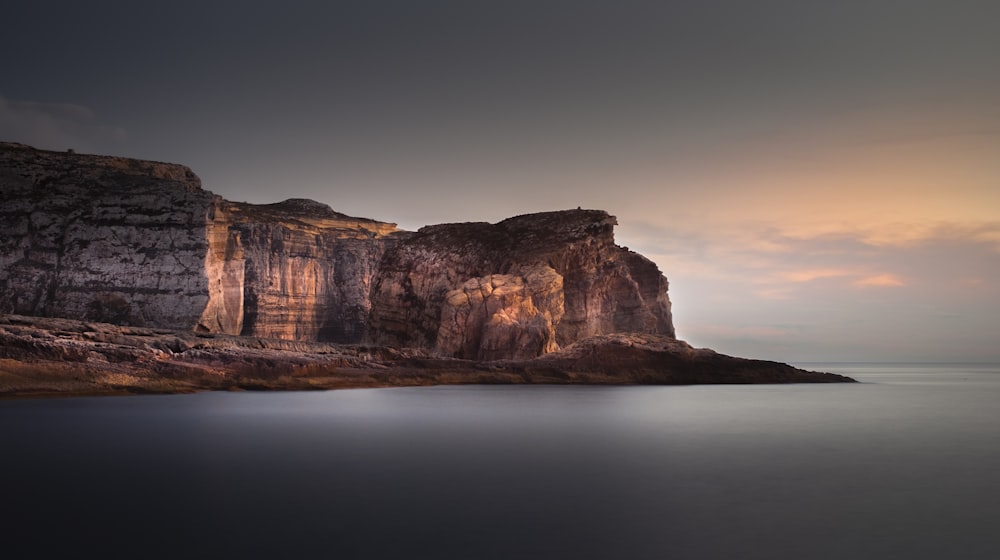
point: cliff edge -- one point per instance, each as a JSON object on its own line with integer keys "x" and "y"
{"x": 140, "y": 244}
{"x": 520, "y": 288}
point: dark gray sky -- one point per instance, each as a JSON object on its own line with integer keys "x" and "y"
{"x": 791, "y": 165}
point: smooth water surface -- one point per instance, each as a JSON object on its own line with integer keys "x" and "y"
{"x": 905, "y": 465}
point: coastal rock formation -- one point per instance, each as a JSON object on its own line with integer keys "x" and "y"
{"x": 294, "y": 270}
{"x": 118, "y": 275}
{"x": 44, "y": 356}
{"x": 503, "y": 316}
{"x": 102, "y": 238}
{"x": 560, "y": 276}
{"x": 141, "y": 243}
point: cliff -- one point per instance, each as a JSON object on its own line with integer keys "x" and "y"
{"x": 294, "y": 270}
{"x": 516, "y": 289}
{"x": 141, "y": 243}
{"x": 119, "y": 275}
{"x": 102, "y": 238}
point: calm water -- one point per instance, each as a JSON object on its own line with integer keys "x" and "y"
{"x": 905, "y": 465}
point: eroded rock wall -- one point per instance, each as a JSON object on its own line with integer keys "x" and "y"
{"x": 522, "y": 287}
{"x": 294, "y": 270}
{"x": 101, "y": 238}
{"x": 134, "y": 242}
{"x": 304, "y": 279}
{"x": 140, "y": 243}
{"x": 503, "y": 316}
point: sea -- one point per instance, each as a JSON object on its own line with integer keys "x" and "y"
{"x": 903, "y": 465}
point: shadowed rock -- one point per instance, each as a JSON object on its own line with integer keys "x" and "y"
{"x": 141, "y": 243}
{"x": 584, "y": 285}
{"x": 209, "y": 293}
{"x": 44, "y": 356}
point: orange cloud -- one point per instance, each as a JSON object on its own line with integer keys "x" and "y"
{"x": 881, "y": 281}
{"x": 809, "y": 275}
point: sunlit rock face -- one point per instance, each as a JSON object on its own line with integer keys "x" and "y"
{"x": 503, "y": 315}
{"x": 305, "y": 271}
{"x": 141, "y": 243}
{"x": 522, "y": 287}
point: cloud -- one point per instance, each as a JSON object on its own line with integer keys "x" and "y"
{"x": 55, "y": 126}
{"x": 880, "y": 281}
{"x": 808, "y": 275}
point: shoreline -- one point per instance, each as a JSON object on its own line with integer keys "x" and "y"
{"x": 50, "y": 357}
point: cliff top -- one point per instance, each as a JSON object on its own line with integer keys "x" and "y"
{"x": 310, "y": 214}
{"x": 32, "y": 162}
{"x": 104, "y": 171}
{"x": 569, "y": 224}
{"x": 527, "y": 232}
{"x": 301, "y": 208}
{"x": 32, "y": 169}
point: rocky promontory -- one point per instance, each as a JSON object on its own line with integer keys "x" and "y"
{"x": 141, "y": 247}
{"x": 48, "y": 357}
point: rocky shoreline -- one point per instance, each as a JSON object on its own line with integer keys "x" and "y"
{"x": 61, "y": 357}
{"x": 123, "y": 276}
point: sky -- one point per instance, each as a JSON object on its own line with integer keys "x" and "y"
{"x": 818, "y": 180}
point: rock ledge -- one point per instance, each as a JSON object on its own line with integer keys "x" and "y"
{"x": 48, "y": 357}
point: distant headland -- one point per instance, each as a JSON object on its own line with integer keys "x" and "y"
{"x": 121, "y": 275}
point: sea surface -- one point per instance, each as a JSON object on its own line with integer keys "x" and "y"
{"x": 904, "y": 465}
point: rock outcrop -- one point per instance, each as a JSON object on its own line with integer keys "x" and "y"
{"x": 43, "y": 356}
{"x": 141, "y": 243}
{"x": 119, "y": 275}
{"x": 294, "y": 270}
{"x": 522, "y": 287}
{"x": 503, "y": 316}
{"x": 102, "y": 238}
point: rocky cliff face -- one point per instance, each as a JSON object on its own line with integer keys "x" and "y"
{"x": 140, "y": 243}
{"x": 295, "y": 270}
{"x": 522, "y": 287}
{"x": 101, "y": 238}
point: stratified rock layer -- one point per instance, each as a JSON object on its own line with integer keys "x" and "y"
{"x": 503, "y": 316}
{"x": 102, "y": 238}
{"x": 522, "y": 287}
{"x": 140, "y": 243}
{"x": 150, "y": 278}
{"x": 295, "y": 270}
{"x": 44, "y": 356}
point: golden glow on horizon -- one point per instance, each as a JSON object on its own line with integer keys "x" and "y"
{"x": 815, "y": 274}
{"x": 881, "y": 281}
{"x": 897, "y": 184}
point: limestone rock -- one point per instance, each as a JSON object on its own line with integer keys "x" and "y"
{"x": 101, "y": 238}
{"x": 502, "y": 316}
{"x": 45, "y": 356}
{"x": 141, "y": 243}
{"x": 604, "y": 288}
{"x": 305, "y": 280}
